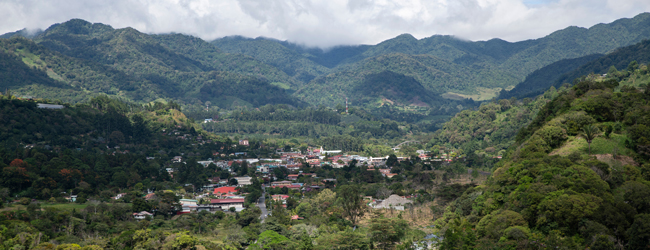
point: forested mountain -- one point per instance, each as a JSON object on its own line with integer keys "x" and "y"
{"x": 619, "y": 59}
{"x": 540, "y": 80}
{"x": 97, "y": 59}
{"x": 499, "y": 63}
{"x": 577, "y": 176}
{"x": 144, "y": 67}
{"x": 492, "y": 128}
{"x": 565, "y": 71}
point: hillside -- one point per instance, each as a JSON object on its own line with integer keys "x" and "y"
{"x": 142, "y": 67}
{"x": 541, "y": 79}
{"x": 139, "y": 67}
{"x": 434, "y": 74}
{"x": 491, "y": 129}
{"x": 565, "y": 71}
{"x": 501, "y": 64}
{"x": 577, "y": 176}
{"x": 619, "y": 59}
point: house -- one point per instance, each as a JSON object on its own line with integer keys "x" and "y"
{"x": 390, "y": 175}
{"x": 394, "y": 202}
{"x": 279, "y": 197}
{"x": 177, "y": 159}
{"x": 142, "y": 215}
{"x": 292, "y": 177}
{"x": 280, "y": 183}
{"x": 226, "y": 204}
{"x": 72, "y": 198}
{"x": 214, "y": 179}
{"x": 242, "y": 181}
{"x": 188, "y": 202}
{"x": 119, "y": 196}
{"x": 204, "y": 163}
{"x": 294, "y": 167}
{"x": 188, "y": 206}
{"x": 263, "y": 169}
{"x": 49, "y": 106}
{"x": 224, "y": 191}
{"x": 243, "y": 142}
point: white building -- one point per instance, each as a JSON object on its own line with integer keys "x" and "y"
{"x": 242, "y": 181}
{"x": 142, "y": 215}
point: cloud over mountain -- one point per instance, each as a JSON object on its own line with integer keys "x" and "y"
{"x": 326, "y": 23}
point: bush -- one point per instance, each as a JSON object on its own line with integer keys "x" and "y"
{"x": 553, "y": 135}
{"x": 25, "y": 201}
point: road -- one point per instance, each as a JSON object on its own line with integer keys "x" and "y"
{"x": 262, "y": 205}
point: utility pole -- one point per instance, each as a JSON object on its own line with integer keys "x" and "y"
{"x": 346, "y": 105}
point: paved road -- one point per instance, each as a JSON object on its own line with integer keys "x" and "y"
{"x": 262, "y": 205}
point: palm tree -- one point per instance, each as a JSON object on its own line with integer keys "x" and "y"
{"x": 589, "y": 133}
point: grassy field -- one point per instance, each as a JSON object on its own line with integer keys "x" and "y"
{"x": 600, "y": 145}
{"x": 483, "y": 94}
{"x": 281, "y": 85}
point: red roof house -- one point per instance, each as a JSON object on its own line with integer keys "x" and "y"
{"x": 225, "y": 190}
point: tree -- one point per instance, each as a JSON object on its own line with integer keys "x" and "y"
{"x": 271, "y": 240}
{"x": 589, "y": 133}
{"x": 639, "y": 232}
{"x": 386, "y": 232}
{"x": 391, "y": 161}
{"x": 351, "y": 202}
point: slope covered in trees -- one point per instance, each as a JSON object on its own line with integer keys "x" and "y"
{"x": 144, "y": 67}
{"x": 619, "y": 59}
{"x": 99, "y": 59}
{"x": 499, "y": 63}
{"x": 540, "y": 80}
{"x": 575, "y": 178}
{"x": 491, "y": 129}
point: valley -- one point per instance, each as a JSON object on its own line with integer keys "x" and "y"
{"x": 120, "y": 139}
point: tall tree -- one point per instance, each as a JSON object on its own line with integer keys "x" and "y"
{"x": 351, "y": 202}
{"x": 589, "y": 133}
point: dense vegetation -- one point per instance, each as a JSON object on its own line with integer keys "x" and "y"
{"x": 95, "y": 59}
{"x": 492, "y": 128}
{"x": 574, "y": 179}
{"x": 440, "y": 63}
{"x": 576, "y": 160}
{"x": 540, "y": 80}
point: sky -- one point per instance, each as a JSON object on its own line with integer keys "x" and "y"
{"x": 326, "y": 23}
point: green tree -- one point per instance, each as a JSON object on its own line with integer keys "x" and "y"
{"x": 270, "y": 239}
{"x": 639, "y": 232}
{"x": 387, "y": 232}
{"x": 350, "y": 200}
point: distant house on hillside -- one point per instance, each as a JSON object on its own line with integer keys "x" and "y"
{"x": 49, "y": 106}
{"x": 394, "y": 202}
{"x": 226, "y": 204}
{"x": 243, "y": 142}
{"x": 142, "y": 215}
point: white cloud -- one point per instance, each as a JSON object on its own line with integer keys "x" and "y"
{"x": 326, "y": 22}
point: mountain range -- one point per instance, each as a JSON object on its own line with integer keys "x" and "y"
{"x": 82, "y": 59}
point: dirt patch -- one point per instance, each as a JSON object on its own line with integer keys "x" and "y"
{"x": 417, "y": 102}
{"x": 622, "y": 159}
